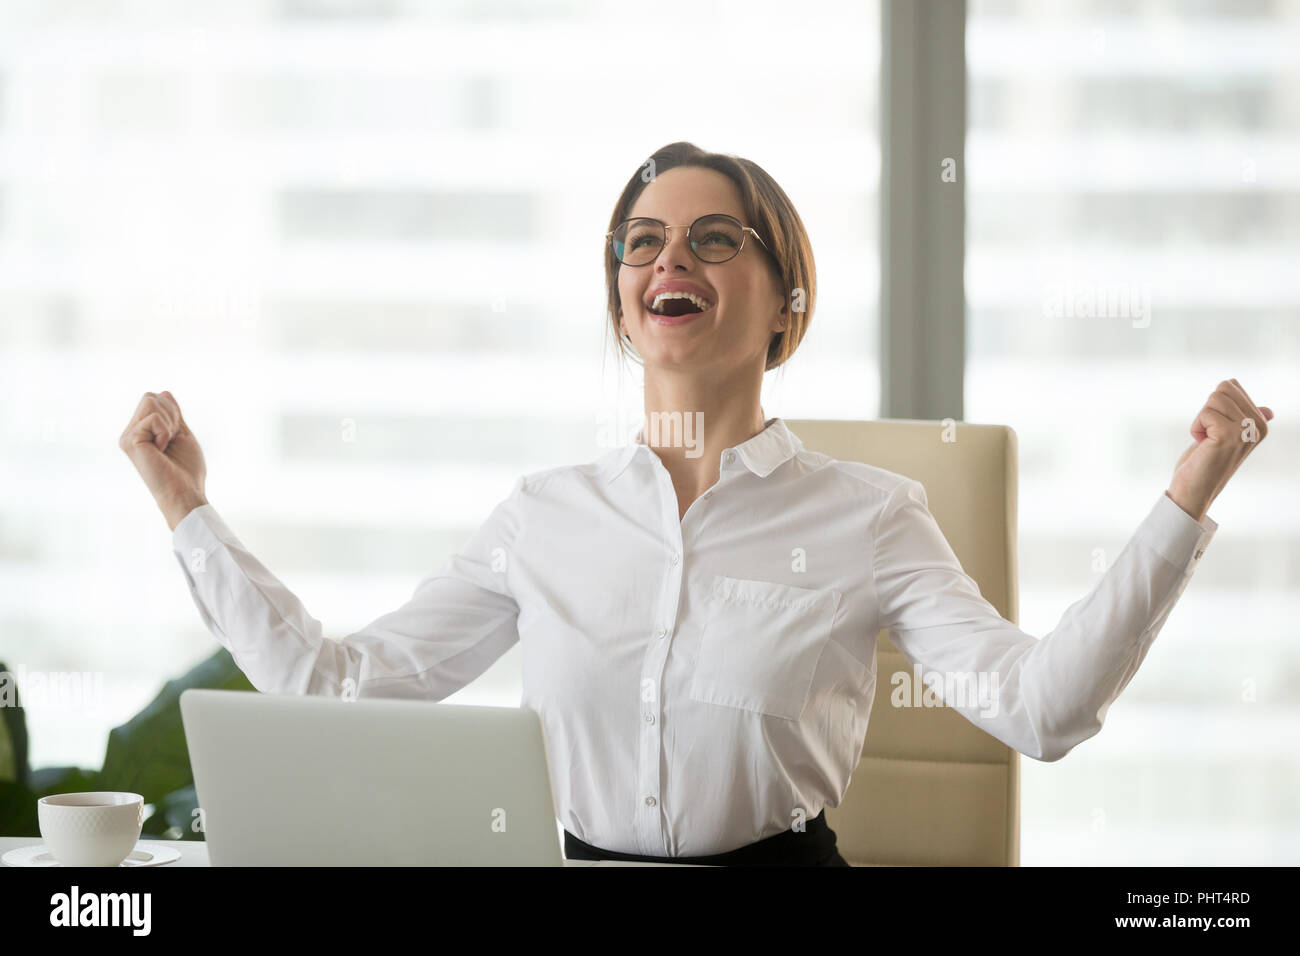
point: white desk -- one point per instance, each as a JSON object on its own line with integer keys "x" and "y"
{"x": 195, "y": 853}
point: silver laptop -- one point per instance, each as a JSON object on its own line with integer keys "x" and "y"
{"x": 286, "y": 780}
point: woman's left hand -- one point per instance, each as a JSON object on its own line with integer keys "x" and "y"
{"x": 1226, "y": 430}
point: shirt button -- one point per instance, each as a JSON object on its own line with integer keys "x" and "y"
{"x": 649, "y": 718}
{"x": 708, "y": 494}
{"x": 661, "y": 633}
{"x": 729, "y": 457}
{"x": 649, "y": 801}
{"x": 675, "y": 558}
{"x": 1199, "y": 553}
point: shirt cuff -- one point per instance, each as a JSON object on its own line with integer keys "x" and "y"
{"x": 201, "y": 524}
{"x": 1175, "y": 535}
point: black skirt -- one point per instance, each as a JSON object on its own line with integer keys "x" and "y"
{"x": 815, "y": 846}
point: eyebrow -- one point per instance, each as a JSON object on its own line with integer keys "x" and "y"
{"x": 689, "y": 221}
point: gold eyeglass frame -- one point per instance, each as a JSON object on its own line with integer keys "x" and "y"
{"x": 609, "y": 238}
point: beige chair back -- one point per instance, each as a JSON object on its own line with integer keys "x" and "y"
{"x": 931, "y": 788}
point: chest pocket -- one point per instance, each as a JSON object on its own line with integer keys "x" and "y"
{"x": 761, "y": 644}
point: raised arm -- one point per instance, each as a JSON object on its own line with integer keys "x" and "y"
{"x": 1042, "y": 697}
{"x": 459, "y": 620}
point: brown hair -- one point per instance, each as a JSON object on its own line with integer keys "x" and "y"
{"x": 767, "y": 209}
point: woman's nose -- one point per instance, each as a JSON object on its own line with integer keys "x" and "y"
{"x": 677, "y": 249}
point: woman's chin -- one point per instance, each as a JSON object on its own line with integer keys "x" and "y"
{"x": 676, "y": 356}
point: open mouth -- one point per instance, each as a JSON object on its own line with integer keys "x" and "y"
{"x": 673, "y": 308}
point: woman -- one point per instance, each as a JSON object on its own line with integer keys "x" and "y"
{"x": 669, "y": 739}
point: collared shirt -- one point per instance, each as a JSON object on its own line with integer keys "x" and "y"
{"x": 704, "y": 682}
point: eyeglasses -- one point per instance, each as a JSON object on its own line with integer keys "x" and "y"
{"x": 713, "y": 238}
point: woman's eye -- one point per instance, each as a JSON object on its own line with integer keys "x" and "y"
{"x": 721, "y": 237}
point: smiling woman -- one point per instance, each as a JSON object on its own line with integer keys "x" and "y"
{"x": 697, "y": 612}
{"x": 761, "y": 209}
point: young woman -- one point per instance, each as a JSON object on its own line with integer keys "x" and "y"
{"x": 704, "y": 694}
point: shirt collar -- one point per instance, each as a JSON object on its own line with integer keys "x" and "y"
{"x": 771, "y": 447}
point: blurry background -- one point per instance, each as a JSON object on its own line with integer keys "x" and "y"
{"x": 1120, "y": 151}
{"x": 361, "y": 241}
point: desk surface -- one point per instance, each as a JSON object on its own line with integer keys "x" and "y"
{"x": 195, "y": 853}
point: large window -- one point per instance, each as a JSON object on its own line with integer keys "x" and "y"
{"x": 1133, "y": 190}
{"x": 361, "y": 242}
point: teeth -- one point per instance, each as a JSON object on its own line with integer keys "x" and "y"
{"x": 701, "y": 304}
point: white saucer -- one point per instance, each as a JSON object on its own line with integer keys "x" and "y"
{"x": 144, "y": 854}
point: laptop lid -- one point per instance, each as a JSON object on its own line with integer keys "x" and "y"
{"x": 322, "y": 781}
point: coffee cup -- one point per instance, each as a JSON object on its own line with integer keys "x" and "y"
{"x": 99, "y": 828}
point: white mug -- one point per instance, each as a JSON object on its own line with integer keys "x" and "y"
{"x": 99, "y": 828}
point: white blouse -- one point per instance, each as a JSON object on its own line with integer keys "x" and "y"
{"x": 704, "y": 683}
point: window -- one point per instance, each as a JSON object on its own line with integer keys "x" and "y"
{"x": 1132, "y": 233}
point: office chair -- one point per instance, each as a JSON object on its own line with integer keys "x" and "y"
{"x": 931, "y": 788}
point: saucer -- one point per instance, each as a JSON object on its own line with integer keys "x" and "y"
{"x": 144, "y": 854}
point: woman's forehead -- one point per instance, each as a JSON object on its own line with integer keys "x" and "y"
{"x": 682, "y": 195}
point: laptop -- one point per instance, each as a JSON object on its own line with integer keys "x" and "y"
{"x": 288, "y": 780}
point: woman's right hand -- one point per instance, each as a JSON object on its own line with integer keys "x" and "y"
{"x": 167, "y": 456}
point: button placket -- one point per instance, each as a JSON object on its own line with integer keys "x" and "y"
{"x": 649, "y": 824}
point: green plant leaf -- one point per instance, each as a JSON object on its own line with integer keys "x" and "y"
{"x": 13, "y": 731}
{"x": 18, "y": 815}
{"x": 148, "y": 754}
{"x": 18, "y": 810}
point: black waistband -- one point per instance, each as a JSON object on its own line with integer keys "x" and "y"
{"x": 814, "y": 846}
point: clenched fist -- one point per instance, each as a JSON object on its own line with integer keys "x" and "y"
{"x": 1227, "y": 429}
{"x": 167, "y": 456}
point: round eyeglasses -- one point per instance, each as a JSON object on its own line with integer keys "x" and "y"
{"x": 713, "y": 238}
